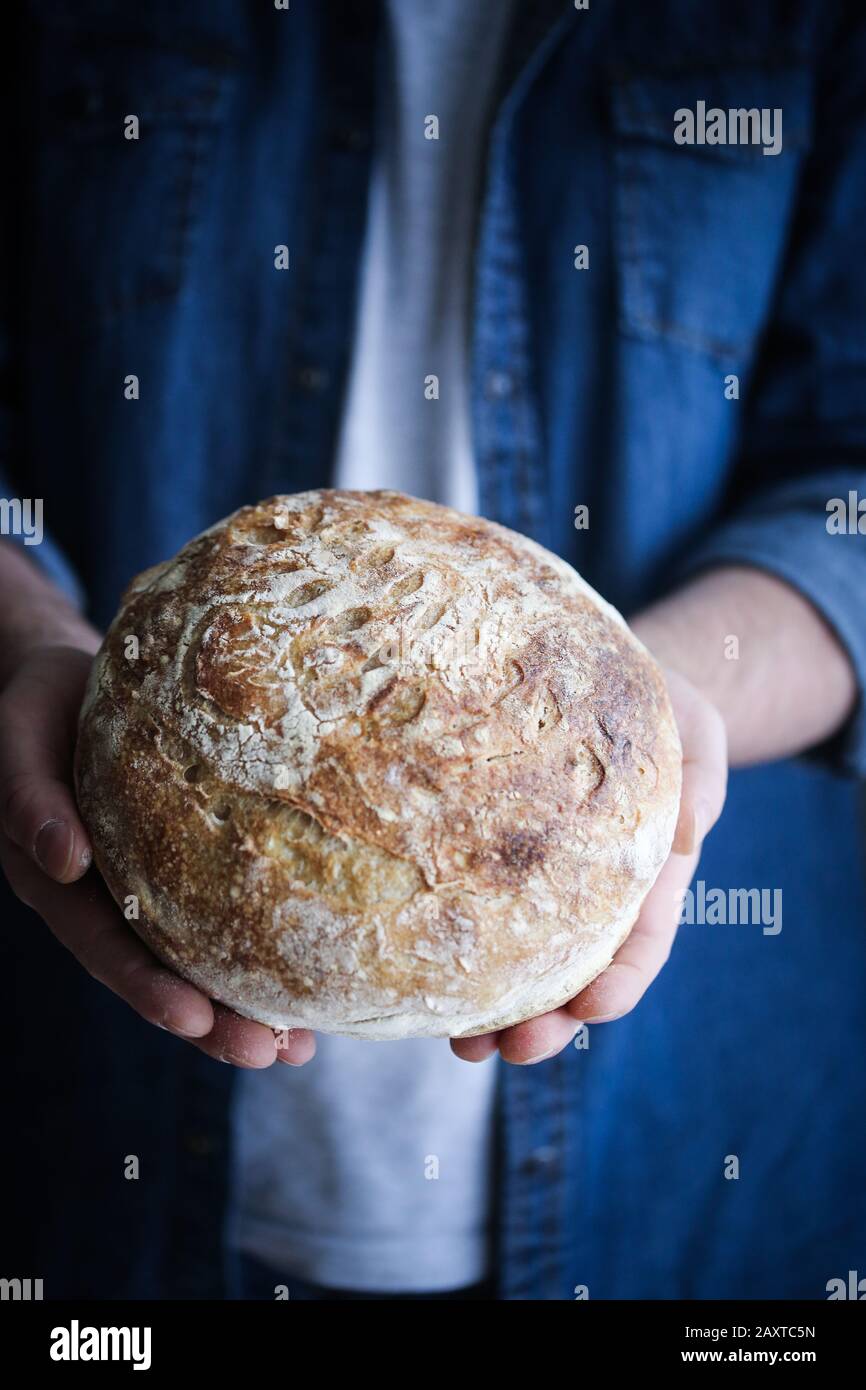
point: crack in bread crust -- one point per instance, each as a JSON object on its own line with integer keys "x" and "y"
{"x": 376, "y": 767}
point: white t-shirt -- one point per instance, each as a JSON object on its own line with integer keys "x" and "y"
{"x": 370, "y": 1168}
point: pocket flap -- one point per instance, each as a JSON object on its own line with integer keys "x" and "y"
{"x": 645, "y": 108}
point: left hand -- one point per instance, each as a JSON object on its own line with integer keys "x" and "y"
{"x": 637, "y": 962}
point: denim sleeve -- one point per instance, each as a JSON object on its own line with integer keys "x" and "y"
{"x": 803, "y": 433}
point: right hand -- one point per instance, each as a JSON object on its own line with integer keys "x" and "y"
{"x": 46, "y": 855}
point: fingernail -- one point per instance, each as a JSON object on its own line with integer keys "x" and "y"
{"x": 234, "y": 1059}
{"x": 175, "y": 1032}
{"x": 53, "y": 847}
{"x": 686, "y": 836}
{"x": 533, "y": 1061}
{"x": 182, "y": 1032}
{"x": 602, "y": 1018}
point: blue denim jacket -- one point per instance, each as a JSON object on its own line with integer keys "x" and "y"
{"x": 699, "y": 387}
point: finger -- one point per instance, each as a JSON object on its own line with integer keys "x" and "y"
{"x": 538, "y": 1038}
{"x": 238, "y": 1040}
{"x": 705, "y": 765}
{"x": 476, "y": 1049}
{"x": 37, "y": 807}
{"x": 86, "y": 921}
{"x": 638, "y": 961}
{"x": 295, "y": 1046}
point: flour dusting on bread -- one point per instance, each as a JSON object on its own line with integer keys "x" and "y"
{"x": 374, "y": 767}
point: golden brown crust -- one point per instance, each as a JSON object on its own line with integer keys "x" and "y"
{"x": 377, "y": 767}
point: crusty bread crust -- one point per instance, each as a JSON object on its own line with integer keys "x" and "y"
{"x": 374, "y": 767}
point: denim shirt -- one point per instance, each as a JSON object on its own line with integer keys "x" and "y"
{"x": 699, "y": 387}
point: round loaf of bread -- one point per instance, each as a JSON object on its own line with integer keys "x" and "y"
{"x": 365, "y": 765}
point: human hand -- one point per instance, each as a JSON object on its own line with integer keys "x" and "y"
{"x": 46, "y": 855}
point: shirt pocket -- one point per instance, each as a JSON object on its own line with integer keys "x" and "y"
{"x": 126, "y": 211}
{"x": 700, "y": 229}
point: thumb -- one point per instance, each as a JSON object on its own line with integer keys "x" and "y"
{"x": 38, "y": 718}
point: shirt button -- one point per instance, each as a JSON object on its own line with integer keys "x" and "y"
{"x": 312, "y": 379}
{"x": 80, "y": 102}
{"x": 499, "y": 385}
{"x": 199, "y": 1144}
{"x": 351, "y": 138}
{"x": 541, "y": 1160}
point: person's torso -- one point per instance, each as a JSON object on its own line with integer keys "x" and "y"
{"x": 600, "y": 386}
